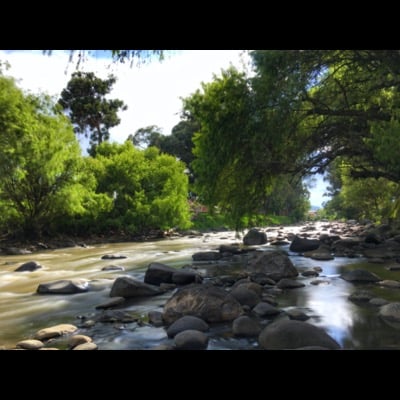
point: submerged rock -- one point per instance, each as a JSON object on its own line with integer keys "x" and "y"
{"x": 64, "y": 286}
{"x": 289, "y": 334}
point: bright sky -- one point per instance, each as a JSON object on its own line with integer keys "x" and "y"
{"x": 152, "y": 91}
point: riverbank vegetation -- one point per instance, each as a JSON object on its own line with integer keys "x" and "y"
{"x": 242, "y": 150}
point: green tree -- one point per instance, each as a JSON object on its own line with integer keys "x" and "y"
{"x": 149, "y": 189}
{"x": 40, "y": 163}
{"x": 84, "y": 99}
{"x": 147, "y": 136}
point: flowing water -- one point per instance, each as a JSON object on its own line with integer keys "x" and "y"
{"x": 23, "y": 311}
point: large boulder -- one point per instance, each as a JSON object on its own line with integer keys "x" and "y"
{"x": 126, "y": 286}
{"x": 254, "y": 237}
{"x": 291, "y": 334}
{"x": 64, "y": 286}
{"x": 210, "y": 303}
{"x": 274, "y": 265}
{"x": 300, "y": 245}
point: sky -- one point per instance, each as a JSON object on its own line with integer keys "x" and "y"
{"x": 152, "y": 91}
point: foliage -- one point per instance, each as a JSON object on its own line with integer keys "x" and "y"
{"x": 84, "y": 99}
{"x": 43, "y": 178}
{"x": 122, "y": 56}
{"x": 148, "y": 136}
{"x": 149, "y": 189}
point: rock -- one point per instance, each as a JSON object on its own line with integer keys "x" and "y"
{"x": 264, "y": 309}
{"x": 113, "y": 302}
{"x": 158, "y": 273}
{"x": 191, "y": 340}
{"x": 261, "y": 279}
{"x": 254, "y": 237}
{"x": 322, "y": 253}
{"x": 274, "y": 264}
{"x": 244, "y": 326}
{"x": 126, "y": 286}
{"x": 113, "y": 257}
{"x": 245, "y": 296}
{"x": 55, "y": 331}
{"x": 30, "y": 344}
{"x": 255, "y": 287}
{"x": 390, "y": 284}
{"x": 230, "y": 249}
{"x": 390, "y": 312}
{"x": 188, "y": 322}
{"x": 64, "y": 286}
{"x": 359, "y": 275}
{"x": 206, "y": 256}
{"x": 28, "y": 266}
{"x": 310, "y": 272}
{"x": 289, "y": 284}
{"x": 155, "y": 318}
{"x": 288, "y": 334}
{"x": 372, "y": 238}
{"x": 181, "y": 277}
{"x": 377, "y": 301}
{"x": 361, "y": 296}
{"x": 113, "y": 268}
{"x": 300, "y": 245}
{"x": 86, "y": 346}
{"x": 117, "y": 316}
{"x": 320, "y": 282}
{"x": 210, "y": 303}
{"x": 297, "y": 315}
{"x": 162, "y": 347}
{"x": 77, "y": 340}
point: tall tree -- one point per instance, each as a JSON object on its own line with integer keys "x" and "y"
{"x": 84, "y": 99}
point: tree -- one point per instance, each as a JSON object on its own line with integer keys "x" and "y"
{"x": 300, "y": 111}
{"x": 234, "y": 169}
{"x": 147, "y": 136}
{"x": 149, "y": 189}
{"x": 93, "y": 115}
{"x": 40, "y": 163}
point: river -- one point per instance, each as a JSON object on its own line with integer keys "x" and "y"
{"x": 23, "y": 311}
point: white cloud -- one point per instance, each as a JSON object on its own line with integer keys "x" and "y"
{"x": 152, "y": 92}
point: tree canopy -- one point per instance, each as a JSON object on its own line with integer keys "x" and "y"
{"x": 40, "y": 163}
{"x": 300, "y": 111}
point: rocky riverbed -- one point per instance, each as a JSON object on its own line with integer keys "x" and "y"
{"x": 296, "y": 287}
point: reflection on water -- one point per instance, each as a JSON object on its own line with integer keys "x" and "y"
{"x": 23, "y": 312}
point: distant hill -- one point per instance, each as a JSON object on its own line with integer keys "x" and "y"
{"x": 315, "y": 208}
